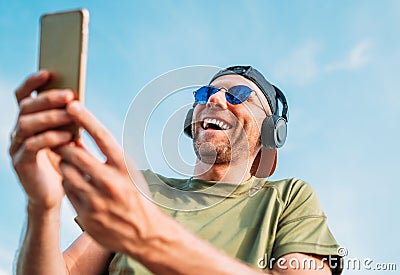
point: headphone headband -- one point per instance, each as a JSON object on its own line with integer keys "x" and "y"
{"x": 271, "y": 92}
{"x": 285, "y": 107}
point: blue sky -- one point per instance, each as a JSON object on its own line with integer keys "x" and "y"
{"x": 336, "y": 61}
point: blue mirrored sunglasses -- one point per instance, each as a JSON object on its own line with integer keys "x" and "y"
{"x": 234, "y": 95}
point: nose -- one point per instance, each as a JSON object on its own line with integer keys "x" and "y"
{"x": 218, "y": 99}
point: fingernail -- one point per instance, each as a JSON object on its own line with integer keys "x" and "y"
{"x": 41, "y": 73}
{"x": 75, "y": 106}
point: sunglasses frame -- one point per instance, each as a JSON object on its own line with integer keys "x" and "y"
{"x": 227, "y": 93}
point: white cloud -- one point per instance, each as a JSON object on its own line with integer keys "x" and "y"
{"x": 358, "y": 57}
{"x": 300, "y": 66}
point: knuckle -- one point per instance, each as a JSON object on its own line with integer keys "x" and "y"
{"x": 23, "y": 123}
{"x": 22, "y": 88}
{"x": 16, "y": 165}
{"x": 109, "y": 189}
{"x": 24, "y": 104}
{"x": 18, "y": 92}
{"x": 109, "y": 186}
{"x": 30, "y": 144}
{"x": 49, "y": 118}
{"x": 79, "y": 157}
{"x": 55, "y": 116}
{"x": 75, "y": 157}
{"x": 49, "y": 98}
{"x": 50, "y": 138}
{"x": 11, "y": 149}
{"x": 69, "y": 174}
{"x": 96, "y": 205}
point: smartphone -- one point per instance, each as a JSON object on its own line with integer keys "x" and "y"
{"x": 63, "y": 52}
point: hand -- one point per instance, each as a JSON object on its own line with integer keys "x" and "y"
{"x": 33, "y": 137}
{"x": 110, "y": 207}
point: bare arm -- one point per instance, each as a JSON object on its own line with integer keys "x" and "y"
{"x": 40, "y": 252}
{"x": 86, "y": 256}
{"x": 41, "y": 243}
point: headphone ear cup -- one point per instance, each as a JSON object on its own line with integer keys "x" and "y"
{"x": 273, "y": 132}
{"x": 187, "y": 126}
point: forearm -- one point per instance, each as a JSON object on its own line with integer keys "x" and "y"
{"x": 40, "y": 252}
{"x": 178, "y": 251}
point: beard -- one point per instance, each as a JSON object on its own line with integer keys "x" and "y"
{"x": 211, "y": 153}
{"x": 226, "y": 151}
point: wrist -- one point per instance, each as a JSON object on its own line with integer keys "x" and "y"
{"x": 40, "y": 213}
{"x": 155, "y": 252}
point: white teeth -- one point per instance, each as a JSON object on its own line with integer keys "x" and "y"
{"x": 214, "y": 121}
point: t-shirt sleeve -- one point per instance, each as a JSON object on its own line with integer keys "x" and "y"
{"x": 302, "y": 226}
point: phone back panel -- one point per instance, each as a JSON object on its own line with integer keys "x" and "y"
{"x": 63, "y": 50}
{"x": 63, "y": 47}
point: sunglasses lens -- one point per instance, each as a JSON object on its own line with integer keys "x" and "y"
{"x": 202, "y": 95}
{"x": 238, "y": 94}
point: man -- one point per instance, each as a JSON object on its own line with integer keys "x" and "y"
{"x": 259, "y": 226}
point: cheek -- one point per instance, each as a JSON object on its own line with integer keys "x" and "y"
{"x": 257, "y": 118}
{"x": 253, "y": 121}
{"x": 196, "y": 113}
{"x": 252, "y": 126}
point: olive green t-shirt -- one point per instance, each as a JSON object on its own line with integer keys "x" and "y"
{"x": 256, "y": 221}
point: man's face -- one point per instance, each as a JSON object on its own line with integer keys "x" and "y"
{"x": 223, "y": 132}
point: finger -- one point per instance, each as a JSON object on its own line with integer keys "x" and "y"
{"x": 46, "y": 100}
{"x": 30, "y": 84}
{"x": 106, "y": 142}
{"x": 84, "y": 161}
{"x": 31, "y": 124}
{"x": 75, "y": 183}
{"x": 48, "y": 139}
{"x": 73, "y": 197}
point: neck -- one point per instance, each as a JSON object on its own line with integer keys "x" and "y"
{"x": 227, "y": 172}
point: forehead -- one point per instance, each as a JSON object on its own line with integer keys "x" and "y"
{"x": 233, "y": 80}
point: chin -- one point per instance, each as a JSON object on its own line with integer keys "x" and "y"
{"x": 211, "y": 153}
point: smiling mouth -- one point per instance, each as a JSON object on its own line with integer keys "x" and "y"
{"x": 215, "y": 124}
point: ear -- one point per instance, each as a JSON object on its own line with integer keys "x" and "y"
{"x": 264, "y": 164}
